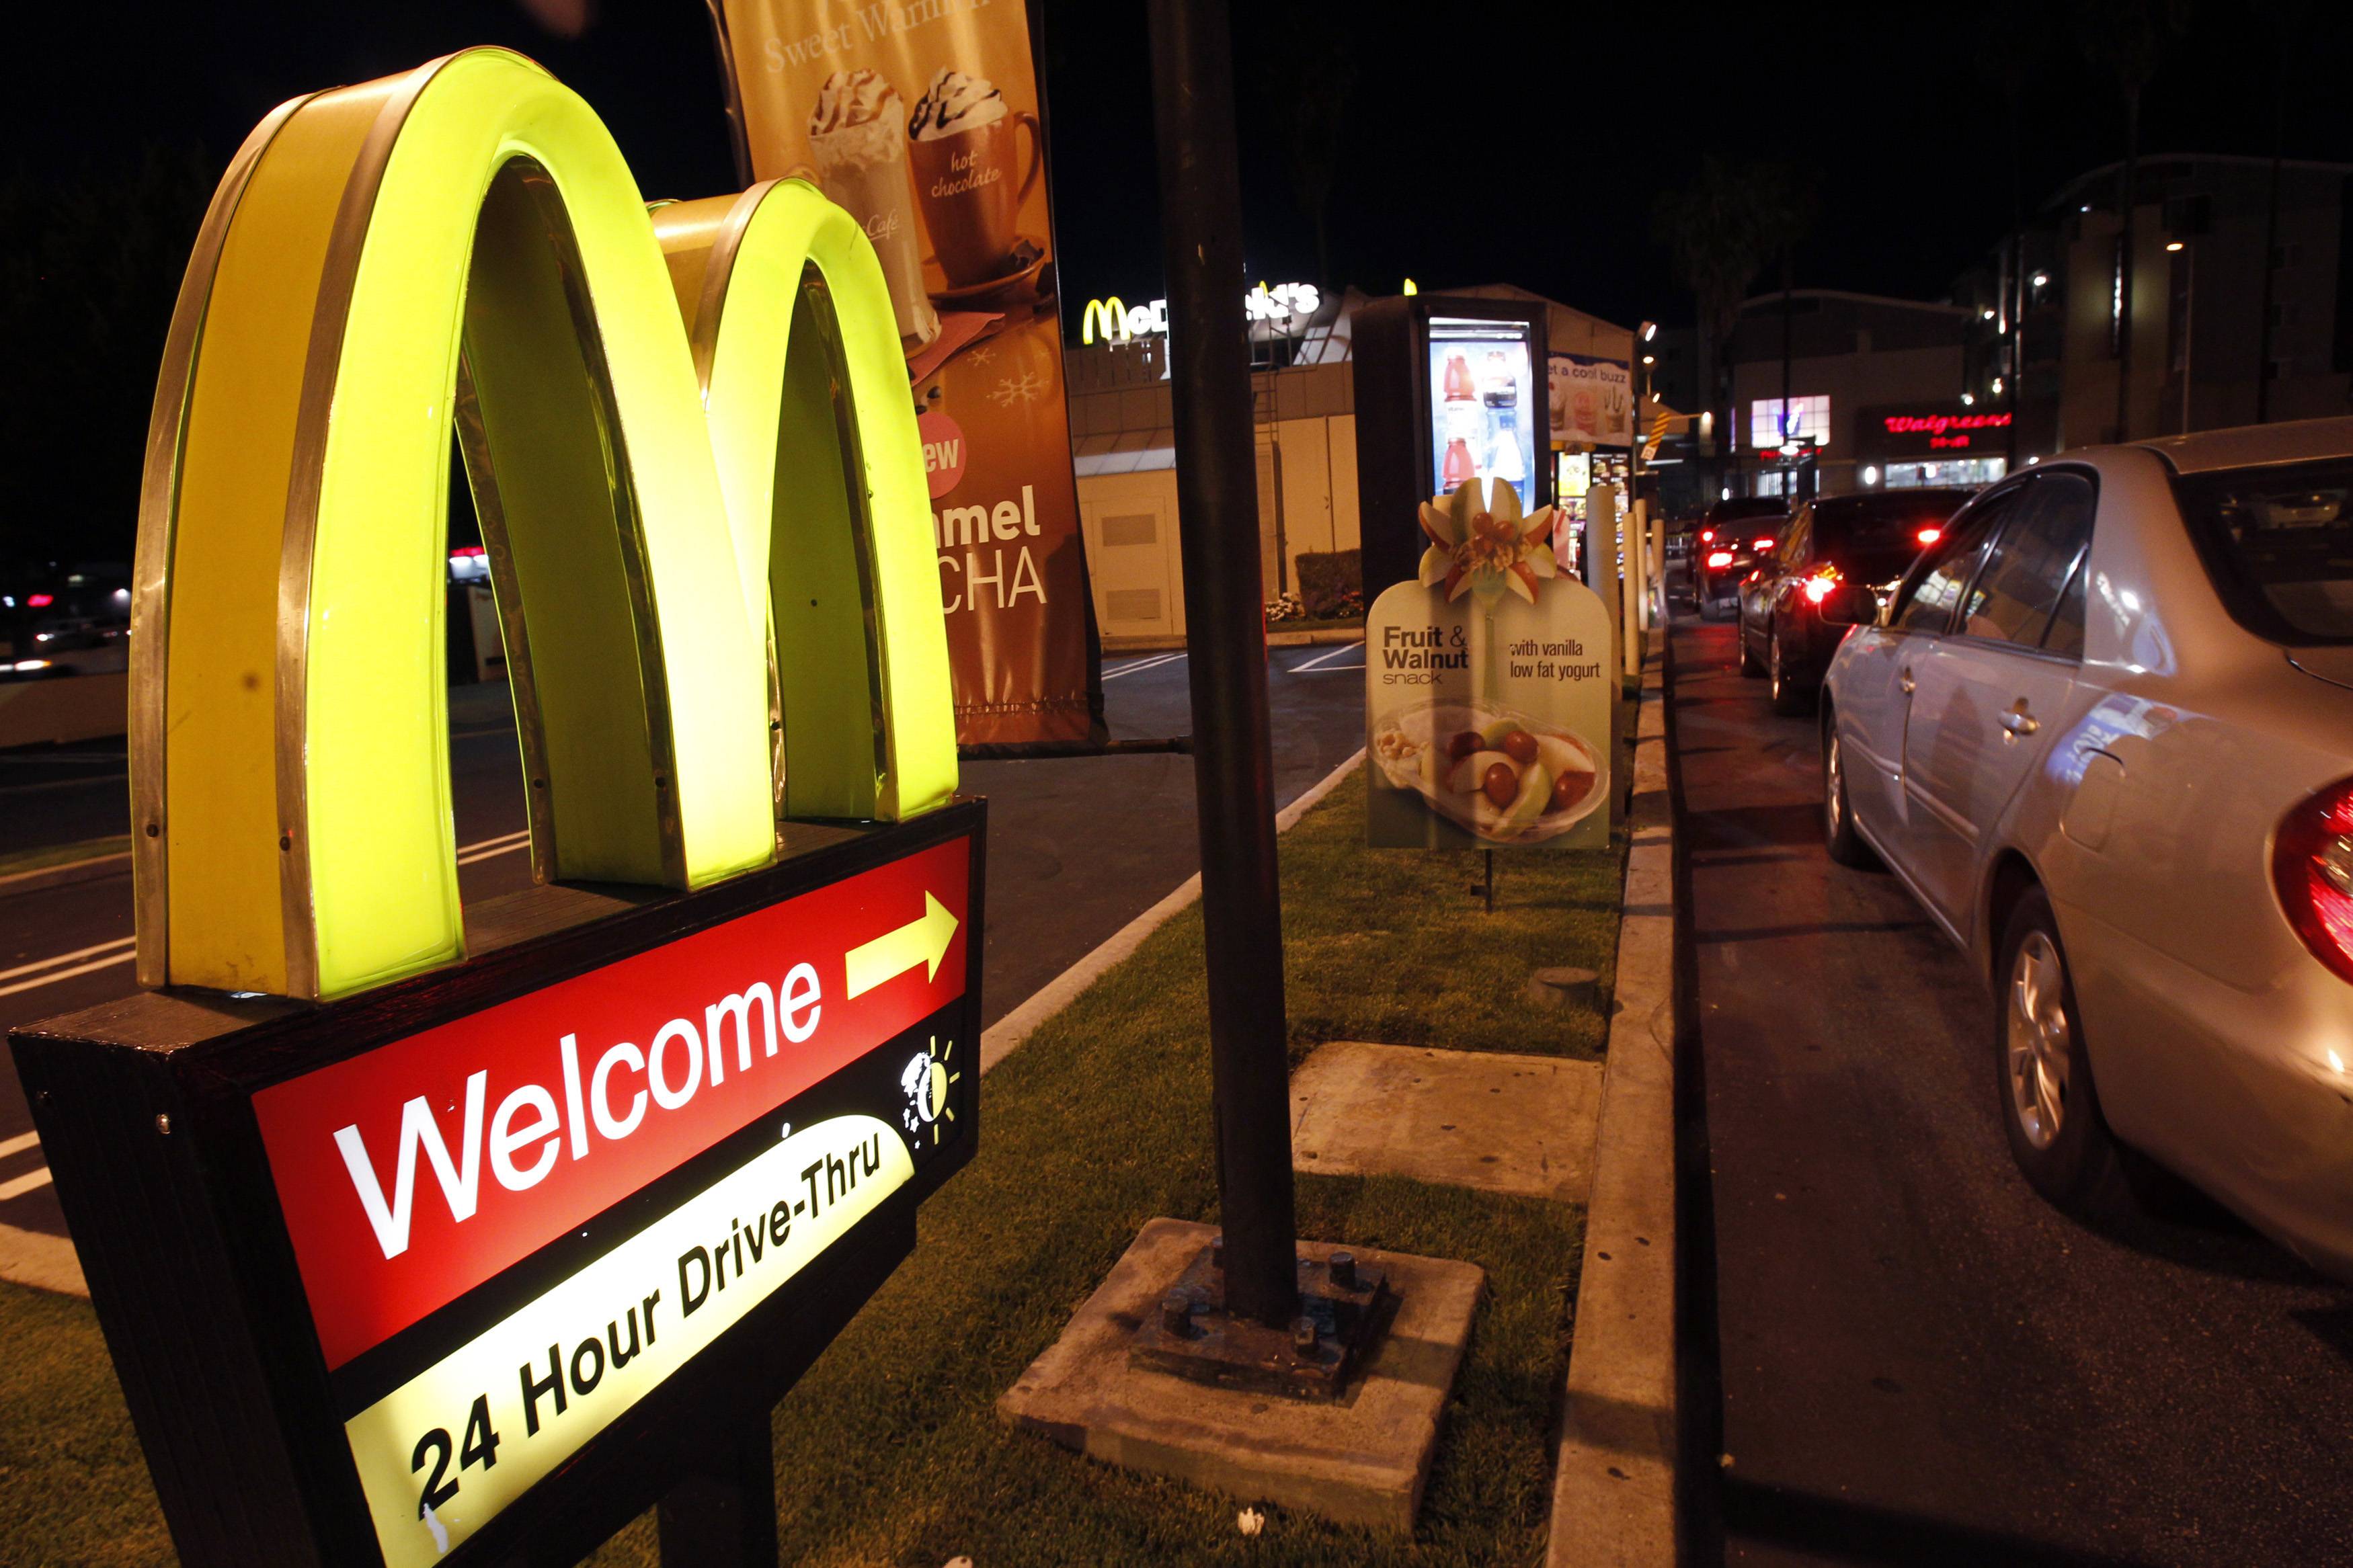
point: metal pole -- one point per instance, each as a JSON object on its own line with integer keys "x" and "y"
{"x": 1216, "y": 499}
{"x": 2189, "y": 324}
{"x": 2270, "y": 254}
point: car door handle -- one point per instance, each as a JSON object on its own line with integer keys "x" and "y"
{"x": 2018, "y": 722}
{"x": 1905, "y": 679}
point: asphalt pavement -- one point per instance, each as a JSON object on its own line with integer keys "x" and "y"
{"x": 1920, "y": 1361}
{"x": 1078, "y": 847}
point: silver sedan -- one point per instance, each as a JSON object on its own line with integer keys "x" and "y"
{"x": 2104, "y": 732}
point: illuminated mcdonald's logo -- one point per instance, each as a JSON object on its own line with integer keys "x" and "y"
{"x": 715, "y": 570}
{"x": 1111, "y": 315}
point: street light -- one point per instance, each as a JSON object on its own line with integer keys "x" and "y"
{"x": 1650, "y": 330}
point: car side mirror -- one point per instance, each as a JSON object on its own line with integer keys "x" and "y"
{"x": 1849, "y": 605}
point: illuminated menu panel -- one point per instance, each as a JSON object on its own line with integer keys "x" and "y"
{"x": 1481, "y": 405}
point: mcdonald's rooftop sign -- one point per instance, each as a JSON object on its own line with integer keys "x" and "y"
{"x": 422, "y": 1234}
{"x": 1285, "y": 309}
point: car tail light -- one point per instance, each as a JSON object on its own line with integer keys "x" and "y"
{"x": 39, "y": 601}
{"x": 1928, "y": 536}
{"x": 1818, "y": 587}
{"x": 1718, "y": 558}
{"x": 2312, "y": 871}
{"x": 1707, "y": 536}
{"x": 1761, "y": 544}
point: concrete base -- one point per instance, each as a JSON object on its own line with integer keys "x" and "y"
{"x": 1501, "y": 1123}
{"x": 1362, "y": 1459}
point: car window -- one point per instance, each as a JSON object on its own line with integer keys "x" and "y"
{"x": 2278, "y": 543}
{"x": 1793, "y": 547}
{"x": 1926, "y": 604}
{"x": 2066, "y": 635}
{"x": 1875, "y": 536}
{"x": 2019, "y": 587}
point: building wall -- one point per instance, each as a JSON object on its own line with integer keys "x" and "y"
{"x": 1130, "y": 524}
{"x": 1307, "y": 503}
{"x": 2197, "y": 311}
{"x": 1854, "y": 380}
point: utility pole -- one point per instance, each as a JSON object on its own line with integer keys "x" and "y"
{"x": 1217, "y": 495}
{"x": 2271, "y": 249}
{"x": 2129, "y": 189}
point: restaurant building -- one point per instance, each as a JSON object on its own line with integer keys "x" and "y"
{"x": 1303, "y": 382}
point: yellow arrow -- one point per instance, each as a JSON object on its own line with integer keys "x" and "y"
{"x": 923, "y": 941}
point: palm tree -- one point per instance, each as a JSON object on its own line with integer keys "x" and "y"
{"x": 2127, "y": 38}
{"x": 2008, "y": 71}
{"x": 2287, "y": 18}
{"x": 1720, "y": 231}
{"x": 1306, "y": 90}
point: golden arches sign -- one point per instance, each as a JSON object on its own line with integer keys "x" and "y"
{"x": 668, "y": 480}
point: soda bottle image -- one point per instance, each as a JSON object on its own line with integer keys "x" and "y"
{"x": 1460, "y": 468}
{"x": 1459, "y": 387}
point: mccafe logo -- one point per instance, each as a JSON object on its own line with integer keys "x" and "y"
{"x": 717, "y": 589}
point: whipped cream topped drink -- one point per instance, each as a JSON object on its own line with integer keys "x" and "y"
{"x": 954, "y": 102}
{"x": 861, "y": 165}
{"x": 961, "y": 143}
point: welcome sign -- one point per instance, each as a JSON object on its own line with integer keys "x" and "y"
{"x": 419, "y": 1234}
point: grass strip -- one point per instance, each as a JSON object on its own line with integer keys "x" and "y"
{"x": 889, "y": 1452}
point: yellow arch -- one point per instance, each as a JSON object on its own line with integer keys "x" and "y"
{"x": 785, "y": 302}
{"x": 465, "y": 242}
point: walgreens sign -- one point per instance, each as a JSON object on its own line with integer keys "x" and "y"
{"x": 412, "y": 1173}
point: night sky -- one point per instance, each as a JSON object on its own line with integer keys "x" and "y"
{"x": 1506, "y": 142}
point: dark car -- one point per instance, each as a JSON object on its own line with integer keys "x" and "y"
{"x": 1733, "y": 535}
{"x": 1872, "y": 539}
{"x": 60, "y": 622}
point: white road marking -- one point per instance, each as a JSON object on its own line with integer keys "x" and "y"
{"x": 118, "y": 951}
{"x": 504, "y": 844}
{"x": 64, "y": 957}
{"x": 1144, "y": 663}
{"x": 1320, "y": 659}
{"x": 23, "y": 1184}
{"x": 79, "y": 969}
{"x": 18, "y": 1144}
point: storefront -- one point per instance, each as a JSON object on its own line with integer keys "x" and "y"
{"x": 1908, "y": 445}
{"x": 1123, "y": 441}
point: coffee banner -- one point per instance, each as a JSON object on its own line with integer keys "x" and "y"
{"x": 1592, "y": 400}
{"x": 924, "y": 119}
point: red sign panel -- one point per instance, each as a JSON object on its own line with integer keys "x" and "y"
{"x": 1942, "y": 424}
{"x": 412, "y": 1173}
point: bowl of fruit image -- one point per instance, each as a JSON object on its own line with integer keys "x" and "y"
{"x": 1500, "y": 776}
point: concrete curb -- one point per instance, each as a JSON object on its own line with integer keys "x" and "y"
{"x": 1328, "y": 637}
{"x": 49, "y": 1262}
{"x": 42, "y": 1261}
{"x": 1000, "y": 1038}
{"x": 1613, "y": 1500}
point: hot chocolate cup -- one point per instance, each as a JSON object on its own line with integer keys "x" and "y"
{"x": 970, "y": 185}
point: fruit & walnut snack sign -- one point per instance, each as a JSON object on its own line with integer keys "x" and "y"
{"x": 423, "y": 1233}
{"x": 1487, "y": 688}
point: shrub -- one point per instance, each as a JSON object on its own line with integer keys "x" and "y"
{"x": 1331, "y": 584}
